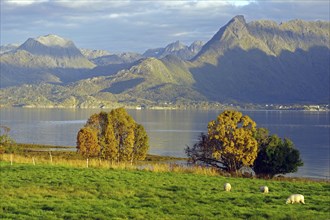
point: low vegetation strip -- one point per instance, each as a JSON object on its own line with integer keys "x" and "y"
{"x": 45, "y": 191}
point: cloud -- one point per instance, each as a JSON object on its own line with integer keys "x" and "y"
{"x": 24, "y": 2}
{"x": 240, "y": 3}
{"x": 179, "y": 34}
{"x": 91, "y": 4}
{"x": 280, "y": 10}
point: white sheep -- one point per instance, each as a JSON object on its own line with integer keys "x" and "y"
{"x": 295, "y": 198}
{"x": 264, "y": 189}
{"x": 227, "y": 187}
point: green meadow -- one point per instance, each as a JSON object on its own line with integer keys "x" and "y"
{"x": 45, "y": 191}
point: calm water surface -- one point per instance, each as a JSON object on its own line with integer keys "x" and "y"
{"x": 170, "y": 131}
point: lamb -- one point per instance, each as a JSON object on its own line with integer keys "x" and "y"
{"x": 264, "y": 189}
{"x": 227, "y": 187}
{"x": 295, "y": 198}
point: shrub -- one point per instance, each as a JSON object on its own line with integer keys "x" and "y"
{"x": 276, "y": 156}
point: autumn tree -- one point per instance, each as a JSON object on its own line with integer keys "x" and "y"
{"x": 229, "y": 144}
{"x": 119, "y": 137}
{"x": 275, "y": 156}
{"x": 87, "y": 143}
{"x": 140, "y": 148}
{"x": 102, "y": 124}
{"x": 124, "y": 128}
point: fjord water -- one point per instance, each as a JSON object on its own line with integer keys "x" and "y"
{"x": 170, "y": 131}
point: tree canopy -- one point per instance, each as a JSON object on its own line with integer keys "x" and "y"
{"x": 229, "y": 144}
{"x": 118, "y": 136}
{"x": 233, "y": 141}
{"x": 276, "y": 156}
{"x": 87, "y": 142}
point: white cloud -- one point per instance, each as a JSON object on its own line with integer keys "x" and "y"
{"x": 92, "y": 4}
{"x": 179, "y": 34}
{"x": 203, "y": 4}
{"x": 240, "y": 3}
{"x": 210, "y": 4}
{"x": 173, "y": 4}
{"x": 24, "y": 2}
{"x": 118, "y": 15}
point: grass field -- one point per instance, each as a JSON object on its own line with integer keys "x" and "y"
{"x": 63, "y": 192}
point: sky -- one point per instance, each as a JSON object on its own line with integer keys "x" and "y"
{"x": 138, "y": 25}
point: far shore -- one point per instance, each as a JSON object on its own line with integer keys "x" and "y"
{"x": 210, "y": 106}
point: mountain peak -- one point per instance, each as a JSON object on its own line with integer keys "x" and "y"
{"x": 225, "y": 38}
{"x": 197, "y": 42}
{"x": 51, "y": 45}
{"x": 177, "y": 45}
{"x": 8, "y": 48}
{"x": 176, "y": 48}
{"x": 238, "y": 18}
{"x": 236, "y": 28}
{"x": 196, "y": 46}
{"x": 52, "y": 40}
{"x": 51, "y": 51}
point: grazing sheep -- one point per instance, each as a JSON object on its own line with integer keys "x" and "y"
{"x": 264, "y": 189}
{"x": 227, "y": 187}
{"x": 295, "y": 198}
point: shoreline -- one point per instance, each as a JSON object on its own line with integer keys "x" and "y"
{"x": 240, "y": 107}
{"x": 45, "y": 148}
{"x": 68, "y": 152}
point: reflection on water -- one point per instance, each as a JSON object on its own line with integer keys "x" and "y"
{"x": 170, "y": 131}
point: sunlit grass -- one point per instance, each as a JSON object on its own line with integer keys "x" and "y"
{"x": 45, "y": 191}
{"x": 98, "y": 163}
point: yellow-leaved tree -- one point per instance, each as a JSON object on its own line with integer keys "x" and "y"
{"x": 229, "y": 144}
{"x": 87, "y": 143}
{"x": 123, "y": 126}
{"x": 140, "y": 138}
{"x": 119, "y": 137}
{"x": 232, "y": 135}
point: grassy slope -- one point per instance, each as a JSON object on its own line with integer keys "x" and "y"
{"x": 57, "y": 192}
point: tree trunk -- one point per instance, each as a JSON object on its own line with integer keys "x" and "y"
{"x": 235, "y": 167}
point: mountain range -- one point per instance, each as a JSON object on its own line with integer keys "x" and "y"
{"x": 178, "y": 49}
{"x": 258, "y": 62}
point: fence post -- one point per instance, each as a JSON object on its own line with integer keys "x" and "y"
{"x": 51, "y": 158}
{"x": 11, "y": 159}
